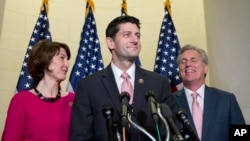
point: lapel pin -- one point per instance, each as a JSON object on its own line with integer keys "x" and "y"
{"x": 70, "y": 104}
{"x": 141, "y": 81}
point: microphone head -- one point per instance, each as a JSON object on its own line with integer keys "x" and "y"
{"x": 166, "y": 111}
{"x": 149, "y": 94}
{"x": 124, "y": 95}
{"x": 181, "y": 115}
{"x": 107, "y": 111}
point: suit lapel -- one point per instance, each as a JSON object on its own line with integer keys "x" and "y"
{"x": 109, "y": 82}
{"x": 139, "y": 87}
{"x": 208, "y": 111}
{"x": 182, "y": 102}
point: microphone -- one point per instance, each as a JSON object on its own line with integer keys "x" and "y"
{"x": 108, "y": 112}
{"x": 167, "y": 113}
{"x": 150, "y": 97}
{"x": 182, "y": 117}
{"x": 124, "y": 98}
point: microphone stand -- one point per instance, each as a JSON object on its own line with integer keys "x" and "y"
{"x": 140, "y": 128}
{"x": 118, "y": 135}
{"x": 124, "y": 98}
{"x": 164, "y": 121}
{"x": 145, "y": 132}
{"x": 108, "y": 112}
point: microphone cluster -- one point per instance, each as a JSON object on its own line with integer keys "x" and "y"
{"x": 169, "y": 116}
{"x": 166, "y": 112}
{"x": 158, "y": 111}
{"x": 182, "y": 117}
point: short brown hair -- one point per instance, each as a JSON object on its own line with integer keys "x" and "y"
{"x": 41, "y": 55}
{"x": 113, "y": 26}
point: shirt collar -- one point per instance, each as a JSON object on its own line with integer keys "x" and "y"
{"x": 200, "y": 91}
{"x": 118, "y": 72}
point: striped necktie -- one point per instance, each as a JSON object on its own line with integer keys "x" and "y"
{"x": 127, "y": 86}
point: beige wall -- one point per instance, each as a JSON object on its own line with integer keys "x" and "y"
{"x": 228, "y": 32}
{"x": 66, "y": 21}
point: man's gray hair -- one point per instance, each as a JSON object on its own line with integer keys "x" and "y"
{"x": 192, "y": 47}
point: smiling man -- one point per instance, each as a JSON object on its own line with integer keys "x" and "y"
{"x": 210, "y": 111}
{"x": 107, "y": 86}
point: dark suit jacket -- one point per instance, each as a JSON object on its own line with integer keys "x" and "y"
{"x": 94, "y": 91}
{"x": 221, "y": 110}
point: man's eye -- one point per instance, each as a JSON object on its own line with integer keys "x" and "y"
{"x": 138, "y": 35}
{"x": 194, "y": 60}
{"x": 126, "y": 35}
{"x": 183, "y": 61}
{"x": 62, "y": 57}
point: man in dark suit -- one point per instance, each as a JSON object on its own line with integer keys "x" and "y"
{"x": 104, "y": 88}
{"x": 220, "y": 109}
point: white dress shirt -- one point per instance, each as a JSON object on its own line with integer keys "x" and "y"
{"x": 200, "y": 98}
{"x": 118, "y": 72}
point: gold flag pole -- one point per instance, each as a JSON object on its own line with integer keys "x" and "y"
{"x": 90, "y": 4}
{"x": 45, "y": 3}
{"x": 124, "y": 7}
{"x": 168, "y": 7}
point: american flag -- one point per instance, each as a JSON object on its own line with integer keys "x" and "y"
{"x": 89, "y": 59}
{"x": 40, "y": 32}
{"x": 124, "y": 12}
{"x": 167, "y": 53}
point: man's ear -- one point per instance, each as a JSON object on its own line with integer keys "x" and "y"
{"x": 206, "y": 70}
{"x": 110, "y": 43}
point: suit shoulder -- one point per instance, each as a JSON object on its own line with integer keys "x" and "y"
{"x": 151, "y": 73}
{"x": 179, "y": 93}
{"x": 96, "y": 74}
{"x": 219, "y": 91}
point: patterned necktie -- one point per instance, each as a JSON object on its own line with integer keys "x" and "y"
{"x": 197, "y": 114}
{"x": 127, "y": 86}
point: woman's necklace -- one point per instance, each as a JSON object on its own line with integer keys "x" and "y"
{"x": 40, "y": 95}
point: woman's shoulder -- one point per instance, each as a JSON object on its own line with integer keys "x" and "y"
{"x": 22, "y": 97}
{"x": 23, "y": 94}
